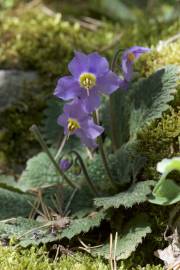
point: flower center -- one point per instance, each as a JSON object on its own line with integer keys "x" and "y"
{"x": 131, "y": 57}
{"x": 87, "y": 81}
{"x": 72, "y": 125}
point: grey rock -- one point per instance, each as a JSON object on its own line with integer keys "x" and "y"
{"x": 12, "y": 85}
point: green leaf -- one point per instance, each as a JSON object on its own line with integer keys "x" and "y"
{"x": 168, "y": 193}
{"x": 126, "y": 163}
{"x": 83, "y": 225}
{"x": 128, "y": 241}
{"x": 149, "y": 97}
{"x": 14, "y": 204}
{"x": 76, "y": 227}
{"x": 39, "y": 173}
{"x": 31, "y": 232}
{"x": 18, "y": 226}
{"x": 82, "y": 203}
{"x": 144, "y": 102}
{"x": 136, "y": 194}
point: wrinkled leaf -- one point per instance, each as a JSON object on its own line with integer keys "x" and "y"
{"x": 149, "y": 97}
{"x": 14, "y": 204}
{"x": 30, "y": 232}
{"x": 83, "y": 225}
{"x": 126, "y": 163}
{"x": 136, "y": 194}
{"x": 144, "y": 102}
{"x": 130, "y": 238}
{"x": 39, "y": 173}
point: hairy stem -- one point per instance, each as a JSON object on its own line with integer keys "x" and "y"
{"x": 41, "y": 141}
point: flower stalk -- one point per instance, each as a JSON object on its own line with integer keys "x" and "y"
{"x": 86, "y": 175}
{"x": 58, "y": 154}
{"x": 41, "y": 141}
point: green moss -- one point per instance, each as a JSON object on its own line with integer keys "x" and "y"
{"x": 160, "y": 139}
{"x": 34, "y": 40}
{"x": 13, "y": 259}
{"x": 148, "y": 63}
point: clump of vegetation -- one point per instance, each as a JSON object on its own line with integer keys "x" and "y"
{"x": 13, "y": 259}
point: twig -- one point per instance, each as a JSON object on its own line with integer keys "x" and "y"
{"x": 37, "y": 211}
{"x": 112, "y": 44}
{"x": 86, "y": 247}
{"x": 110, "y": 251}
{"x": 92, "y": 21}
{"x": 57, "y": 253}
{"x": 70, "y": 201}
{"x": 44, "y": 207}
{"x": 115, "y": 247}
{"x": 35, "y": 207}
{"x": 7, "y": 220}
{"x": 164, "y": 43}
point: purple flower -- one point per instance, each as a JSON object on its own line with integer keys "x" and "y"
{"x": 76, "y": 120}
{"x": 128, "y": 58}
{"x": 65, "y": 164}
{"x": 91, "y": 77}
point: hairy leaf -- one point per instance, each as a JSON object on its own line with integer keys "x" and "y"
{"x": 149, "y": 98}
{"x": 14, "y": 204}
{"x": 126, "y": 163}
{"x": 83, "y": 225}
{"x": 31, "y": 232}
{"x": 82, "y": 202}
{"x": 136, "y": 194}
{"x": 39, "y": 173}
{"x": 144, "y": 102}
{"x": 130, "y": 238}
